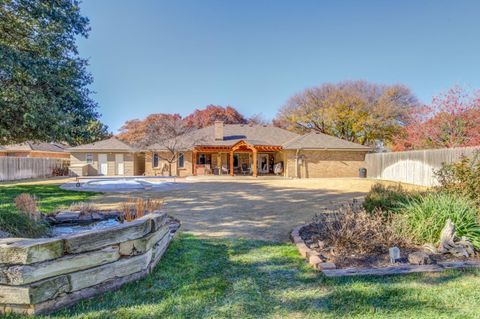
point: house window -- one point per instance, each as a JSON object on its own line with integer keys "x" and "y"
{"x": 204, "y": 159}
{"x": 181, "y": 160}
{"x": 89, "y": 158}
{"x": 155, "y": 160}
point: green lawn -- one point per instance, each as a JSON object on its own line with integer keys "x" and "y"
{"x": 225, "y": 278}
{"x": 215, "y": 278}
{"x": 50, "y": 197}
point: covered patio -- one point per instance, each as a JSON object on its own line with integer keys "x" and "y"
{"x": 242, "y": 158}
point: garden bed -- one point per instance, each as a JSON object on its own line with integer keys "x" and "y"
{"x": 366, "y": 264}
{"x": 393, "y": 231}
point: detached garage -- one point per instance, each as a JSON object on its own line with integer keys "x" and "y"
{"x": 110, "y": 157}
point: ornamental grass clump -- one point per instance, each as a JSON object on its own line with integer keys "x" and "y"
{"x": 27, "y": 204}
{"x": 26, "y": 221}
{"x": 137, "y": 207}
{"x": 388, "y": 199}
{"x": 421, "y": 220}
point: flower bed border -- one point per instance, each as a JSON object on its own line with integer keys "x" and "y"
{"x": 329, "y": 269}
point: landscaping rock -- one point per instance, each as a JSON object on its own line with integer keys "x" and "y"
{"x": 120, "y": 268}
{"x": 141, "y": 245}
{"x": 462, "y": 248}
{"x": 24, "y": 274}
{"x": 326, "y": 266}
{"x": 314, "y": 261}
{"x": 36, "y": 292}
{"x": 419, "y": 258}
{"x": 27, "y": 251}
{"x": 158, "y": 250}
{"x": 96, "y": 239}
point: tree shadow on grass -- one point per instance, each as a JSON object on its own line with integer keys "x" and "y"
{"x": 236, "y": 278}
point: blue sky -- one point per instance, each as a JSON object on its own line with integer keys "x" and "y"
{"x": 174, "y": 56}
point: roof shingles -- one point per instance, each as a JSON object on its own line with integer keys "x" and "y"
{"x": 260, "y": 135}
{"x": 111, "y": 144}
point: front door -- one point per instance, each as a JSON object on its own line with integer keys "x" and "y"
{"x": 120, "y": 164}
{"x": 262, "y": 163}
{"x": 103, "y": 164}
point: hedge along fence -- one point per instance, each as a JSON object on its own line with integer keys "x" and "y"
{"x": 41, "y": 275}
{"x": 414, "y": 167}
{"x": 13, "y": 168}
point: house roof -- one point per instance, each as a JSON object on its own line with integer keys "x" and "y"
{"x": 316, "y": 140}
{"x": 111, "y": 144}
{"x": 35, "y": 146}
{"x": 265, "y": 135}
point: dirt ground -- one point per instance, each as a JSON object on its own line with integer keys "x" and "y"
{"x": 263, "y": 208}
{"x": 254, "y": 209}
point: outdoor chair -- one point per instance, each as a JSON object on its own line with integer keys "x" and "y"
{"x": 245, "y": 169}
{"x": 224, "y": 169}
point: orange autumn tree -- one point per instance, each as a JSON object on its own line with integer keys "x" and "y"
{"x": 210, "y": 114}
{"x": 451, "y": 120}
{"x": 145, "y": 132}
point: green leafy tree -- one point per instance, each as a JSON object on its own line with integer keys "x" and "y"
{"x": 44, "y": 92}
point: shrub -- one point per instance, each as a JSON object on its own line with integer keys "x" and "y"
{"x": 351, "y": 230}
{"x": 137, "y": 207}
{"x": 153, "y": 205}
{"x": 21, "y": 225}
{"x": 26, "y": 221}
{"x": 461, "y": 178}
{"x": 422, "y": 219}
{"x": 387, "y": 199}
{"x": 27, "y": 204}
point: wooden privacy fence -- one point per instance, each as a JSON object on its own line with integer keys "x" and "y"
{"x": 414, "y": 167}
{"x": 12, "y": 168}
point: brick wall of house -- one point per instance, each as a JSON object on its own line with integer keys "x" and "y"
{"x": 325, "y": 164}
{"x": 163, "y": 166}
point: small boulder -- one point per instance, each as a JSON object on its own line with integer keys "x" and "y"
{"x": 419, "y": 258}
{"x": 326, "y": 266}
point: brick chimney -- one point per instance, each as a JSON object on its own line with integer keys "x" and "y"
{"x": 219, "y": 130}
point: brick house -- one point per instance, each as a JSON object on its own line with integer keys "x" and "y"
{"x": 110, "y": 157}
{"x": 242, "y": 149}
{"x": 225, "y": 149}
{"x": 35, "y": 149}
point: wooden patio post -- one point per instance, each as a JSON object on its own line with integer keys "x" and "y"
{"x": 254, "y": 162}
{"x": 231, "y": 163}
{"x": 194, "y": 160}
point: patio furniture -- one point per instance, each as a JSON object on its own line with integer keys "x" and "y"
{"x": 245, "y": 169}
{"x": 224, "y": 169}
{"x": 278, "y": 168}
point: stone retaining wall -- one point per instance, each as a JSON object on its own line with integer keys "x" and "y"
{"x": 42, "y": 275}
